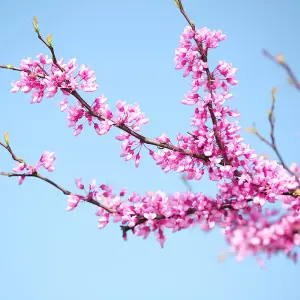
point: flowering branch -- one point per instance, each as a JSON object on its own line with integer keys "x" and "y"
{"x": 33, "y": 173}
{"x": 210, "y": 78}
{"x": 141, "y": 138}
{"x": 190, "y": 208}
{"x": 140, "y": 218}
{"x": 213, "y": 145}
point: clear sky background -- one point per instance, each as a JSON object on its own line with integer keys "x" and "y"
{"x": 49, "y": 253}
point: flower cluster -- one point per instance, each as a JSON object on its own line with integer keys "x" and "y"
{"x": 43, "y": 77}
{"x": 45, "y": 162}
{"x": 258, "y": 232}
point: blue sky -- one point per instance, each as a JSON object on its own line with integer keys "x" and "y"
{"x": 49, "y": 253}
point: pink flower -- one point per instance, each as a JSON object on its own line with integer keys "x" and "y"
{"x": 105, "y": 127}
{"x": 79, "y": 184}
{"x": 47, "y": 160}
{"x": 227, "y": 71}
{"x": 160, "y": 236}
{"x": 63, "y": 104}
{"x": 20, "y": 167}
{"x": 93, "y": 184}
{"x": 103, "y": 220}
{"x": 163, "y": 139}
{"x": 21, "y": 179}
{"x": 137, "y": 160}
{"x": 78, "y": 130}
{"x": 73, "y": 201}
{"x": 123, "y": 192}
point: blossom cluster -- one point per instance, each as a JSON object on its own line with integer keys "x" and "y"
{"x": 45, "y": 162}
{"x": 250, "y": 230}
{"x": 258, "y": 233}
{"x": 43, "y": 77}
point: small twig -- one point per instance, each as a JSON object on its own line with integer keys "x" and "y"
{"x": 50, "y": 47}
{"x": 261, "y": 137}
{"x": 273, "y": 144}
{"x": 14, "y": 157}
{"x": 272, "y": 135}
{"x": 186, "y": 183}
{"x": 64, "y": 191}
{"x": 285, "y": 66}
{"x": 9, "y": 67}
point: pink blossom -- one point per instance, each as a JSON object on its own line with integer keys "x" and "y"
{"x": 47, "y": 160}
{"x": 137, "y": 160}
{"x": 163, "y": 139}
{"x": 20, "y": 167}
{"x": 79, "y": 183}
{"x": 73, "y": 201}
{"x": 21, "y": 179}
{"x": 63, "y": 104}
{"x": 78, "y": 130}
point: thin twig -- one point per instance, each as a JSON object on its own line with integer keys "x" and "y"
{"x": 285, "y": 66}
{"x": 186, "y": 183}
{"x": 9, "y": 67}
{"x": 50, "y": 47}
{"x": 273, "y": 144}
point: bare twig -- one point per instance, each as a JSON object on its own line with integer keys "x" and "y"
{"x": 272, "y": 143}
{"x": 10, "y": 67}
{"x": 280, "y": 61}
{"x": 186, "y": 182}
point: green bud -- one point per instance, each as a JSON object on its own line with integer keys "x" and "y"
{"x": 49, "y": 39}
